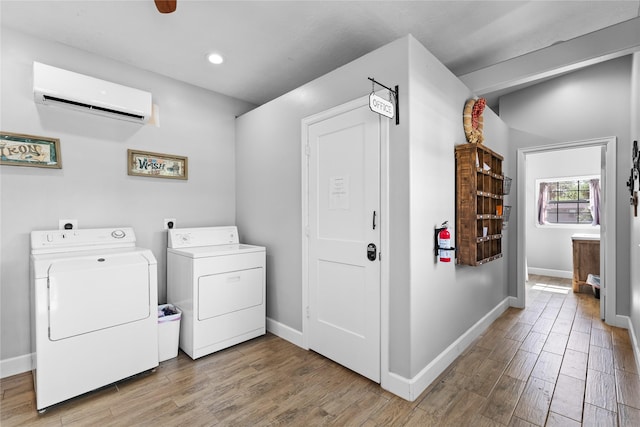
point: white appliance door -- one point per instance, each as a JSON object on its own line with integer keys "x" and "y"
{"x": 89, "y": 294}
{"x": 224, "y": 293}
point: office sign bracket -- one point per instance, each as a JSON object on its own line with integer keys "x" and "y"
{"x": 382, "y": 106}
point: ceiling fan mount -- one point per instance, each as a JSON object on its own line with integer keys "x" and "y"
{"x": 166, "y": 6}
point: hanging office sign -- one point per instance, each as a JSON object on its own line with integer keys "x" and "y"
{"x": 381, "y": 106}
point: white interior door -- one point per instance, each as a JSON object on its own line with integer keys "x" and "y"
{"x": 343, "y": 223}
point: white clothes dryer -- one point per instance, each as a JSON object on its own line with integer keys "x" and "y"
{"x": 94, "y": 311}
{"x": 219, "y": 285}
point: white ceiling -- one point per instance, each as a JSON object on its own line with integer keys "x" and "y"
{"x": 272, "y": 47}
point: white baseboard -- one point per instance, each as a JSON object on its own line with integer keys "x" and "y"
{"x": 621, "y": 322}
{"x": 15, "y": 365}
{"x": 549, "y": 272}
{"x": 400, "y": 386}
{"x": 635, "y": 340}
{"x": 411, "y": 389}
{"x": 516, "y": 302}
{"x": 285, "y": 332}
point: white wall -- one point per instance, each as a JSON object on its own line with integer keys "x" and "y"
{"x": 517, "y": 140}
{"x": 444, "y": 300}
{"x": 549, "y": 248}
{"x": 430, "y": 305}
{"x": 635, "y": 221}
{"x": 93, "y": 186}
{"x": 589, "y": 103}
{"x": 268, "y": 175}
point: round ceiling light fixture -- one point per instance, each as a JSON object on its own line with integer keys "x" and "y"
{"x": 215, "y": 58}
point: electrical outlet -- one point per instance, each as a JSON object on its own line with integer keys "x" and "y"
{"x": 169, "y": 223}
{"x": 67, "y": 224}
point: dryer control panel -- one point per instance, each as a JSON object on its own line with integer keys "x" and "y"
{"x": 51, "y": 241}
{"x": 202, "y": 236}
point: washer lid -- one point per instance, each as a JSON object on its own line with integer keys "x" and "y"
{"x": 40, "y": 263}
{"x": 216, "y": 250}
{"x": 89, "y": 294}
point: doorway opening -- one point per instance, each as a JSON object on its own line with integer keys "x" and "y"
{"x": 607, "y": 147}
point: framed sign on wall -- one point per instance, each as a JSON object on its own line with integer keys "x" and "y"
{"x": 156, "y": 165}
{"x": 29, "y": 150}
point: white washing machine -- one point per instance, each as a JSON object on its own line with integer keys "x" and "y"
{"x": 219, "y": 285}
{"x": 94, "y": 311}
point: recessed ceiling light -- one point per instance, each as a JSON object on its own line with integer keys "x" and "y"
{"x": 215, "y": 58}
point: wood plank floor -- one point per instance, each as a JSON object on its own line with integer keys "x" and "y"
{"x": 554, "y": 363}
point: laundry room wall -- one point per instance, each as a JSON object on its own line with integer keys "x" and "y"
{"x": 589, "y": 103}
{"x": 431, "y": 305}
{"x": 93, "y": 186}
{"x": 549, "y": 248}
{"x": 268, "y": 174}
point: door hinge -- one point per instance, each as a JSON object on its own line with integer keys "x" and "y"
{"x": 306, "y": 230}
{"x": 379, "y": 256}
{"x": 307, "y": 312}
{"x": 307, "y": 150}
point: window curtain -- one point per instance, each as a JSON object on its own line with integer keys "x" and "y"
{"x": 543, "y": 200}
{"x": 594, "y": 200}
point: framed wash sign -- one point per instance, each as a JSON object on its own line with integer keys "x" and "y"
{"x": 157, "y": 165}
{"x": 29, "y": 150}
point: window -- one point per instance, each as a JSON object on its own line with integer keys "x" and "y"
{"x": 569, "y": 201}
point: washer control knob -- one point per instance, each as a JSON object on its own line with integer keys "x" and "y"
{"x": 118, "y": 234}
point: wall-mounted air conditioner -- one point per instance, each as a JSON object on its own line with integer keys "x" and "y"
{"x": 55, "y": 86}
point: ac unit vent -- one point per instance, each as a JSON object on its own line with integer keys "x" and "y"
{"x": 55, "y": 86}
{"x": 52, "y": 99}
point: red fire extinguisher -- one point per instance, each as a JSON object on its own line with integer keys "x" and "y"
{"x": 444, "y": 243}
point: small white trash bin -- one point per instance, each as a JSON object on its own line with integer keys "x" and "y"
{"x": 168, "y": 331}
